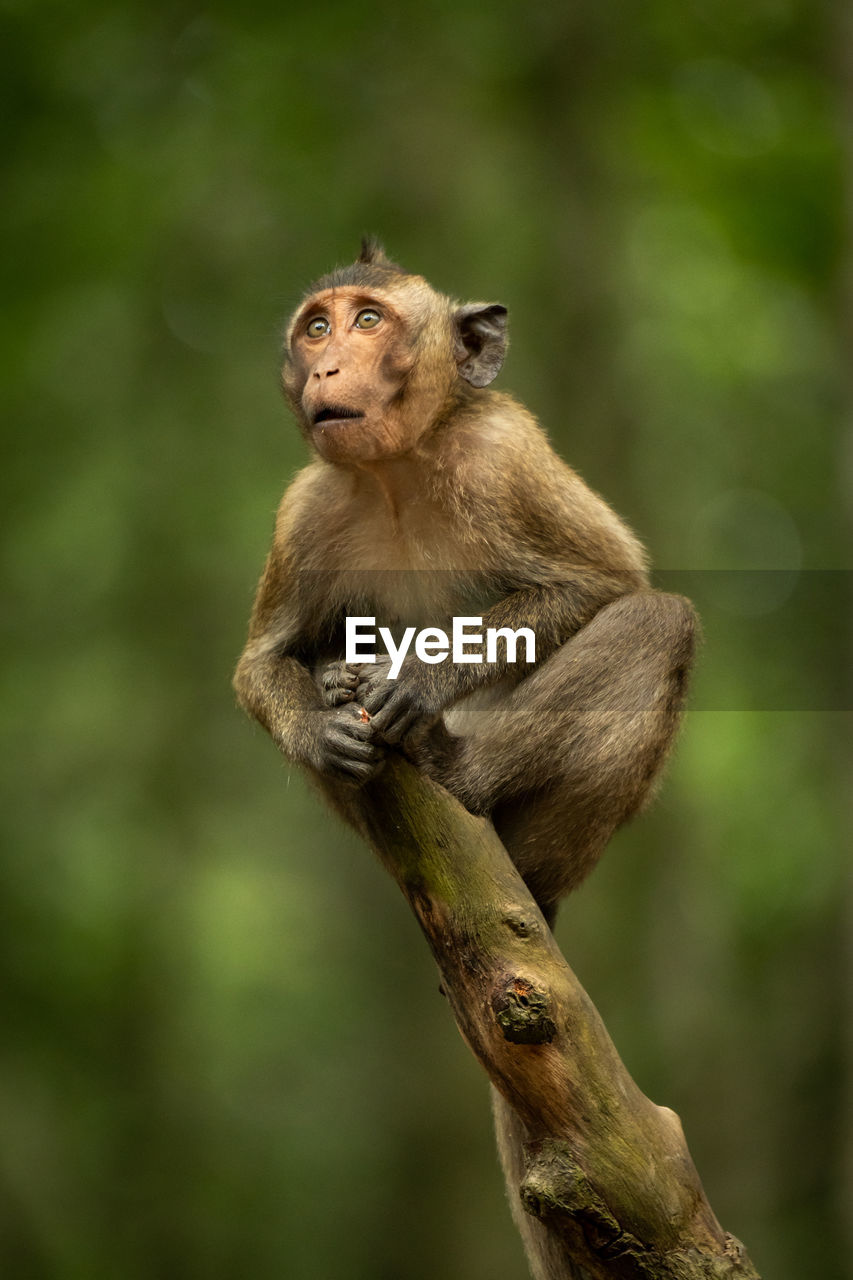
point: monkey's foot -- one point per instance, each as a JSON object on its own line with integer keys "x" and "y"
{"x": 338, "y": 682}
{"x": 433, "y": 749}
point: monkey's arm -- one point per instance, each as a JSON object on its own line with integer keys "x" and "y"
{"x": 275, "y": 686}
{"x": 553, "y": 612}
{"x": 558, "y": 554}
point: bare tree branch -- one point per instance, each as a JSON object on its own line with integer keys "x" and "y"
{"x": 606, "y": 1172}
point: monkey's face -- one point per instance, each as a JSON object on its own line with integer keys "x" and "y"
{"x": 350, "y": 356}
{"x": 369, "y": 367}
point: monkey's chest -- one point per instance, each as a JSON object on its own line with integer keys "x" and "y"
{"x": 418, "y": 570}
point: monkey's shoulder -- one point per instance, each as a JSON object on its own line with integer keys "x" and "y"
{"x": 498, "y": 447}
{"x": 505, "y": 460}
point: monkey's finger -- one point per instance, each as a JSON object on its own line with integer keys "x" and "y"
{"x": 358, "y": 724}
{"x": 394, "y": 725}
{"x": 340, "y": 744}
{"x": 338, "y": 676}
{"x": 347, "y": 766}
{"x": 371, "y": 682}
{"x": 350, "y": 723}
{"x": 382, "y": 713}
{"x": 338, "y": 686}
{"x": 355, "y": 771}
{"x": 337, "y": 697}
{"x": 376, "y": 696}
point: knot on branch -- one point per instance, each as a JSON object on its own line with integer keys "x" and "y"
{"x": 556, "y": 1190}
{"x": 523, "y": 1013}
{"x": 522, "y": 924}
{"x": 733, "y": 1264}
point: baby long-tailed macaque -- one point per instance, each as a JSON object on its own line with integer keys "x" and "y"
{"x": 432, "y": 497}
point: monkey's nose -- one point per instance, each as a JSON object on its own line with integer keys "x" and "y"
{"x": 325, "y": 373}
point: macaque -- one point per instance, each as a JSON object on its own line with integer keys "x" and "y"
{"x": 431, "y": 497}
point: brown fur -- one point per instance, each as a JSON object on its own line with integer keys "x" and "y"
{"x": 444, "y": 498}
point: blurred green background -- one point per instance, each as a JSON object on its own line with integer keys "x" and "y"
{"x": 224, "y": 1052}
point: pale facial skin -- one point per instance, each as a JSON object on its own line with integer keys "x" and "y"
{"x": 351, "y": 354}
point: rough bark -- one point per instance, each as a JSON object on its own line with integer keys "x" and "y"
{"x": 607, "y": 1172}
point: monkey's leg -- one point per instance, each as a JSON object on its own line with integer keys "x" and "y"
{"x": 573, "y": 749}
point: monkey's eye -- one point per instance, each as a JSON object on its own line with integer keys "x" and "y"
{"x": 367, "y": 319}
{"x": 318, "y": 327}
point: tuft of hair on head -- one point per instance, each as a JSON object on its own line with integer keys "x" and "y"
{"x": 372, "y": 269}
{"x": 373, "y": 254}
{"x": 372, "y": 250}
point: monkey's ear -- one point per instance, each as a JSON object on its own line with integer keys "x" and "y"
{"x": 481, "y": 341}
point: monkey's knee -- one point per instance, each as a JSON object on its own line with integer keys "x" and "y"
{"x": 663, "y": 623}
{"x": 644, "y": 645}
{"x": 680, "y": 635}
{"x": 680, "y": 627}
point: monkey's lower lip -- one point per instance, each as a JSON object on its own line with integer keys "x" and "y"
{"x": 335, "y": 413}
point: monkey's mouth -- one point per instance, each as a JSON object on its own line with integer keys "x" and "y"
{"x": 335, "y": 413}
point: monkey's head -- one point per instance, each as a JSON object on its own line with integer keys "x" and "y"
{"x": 374, "y": 358}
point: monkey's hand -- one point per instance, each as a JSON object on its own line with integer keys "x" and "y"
{"x": 338, "y": 682}
{"x": 396, "y": 706}
{"x": 346, "y": 744}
